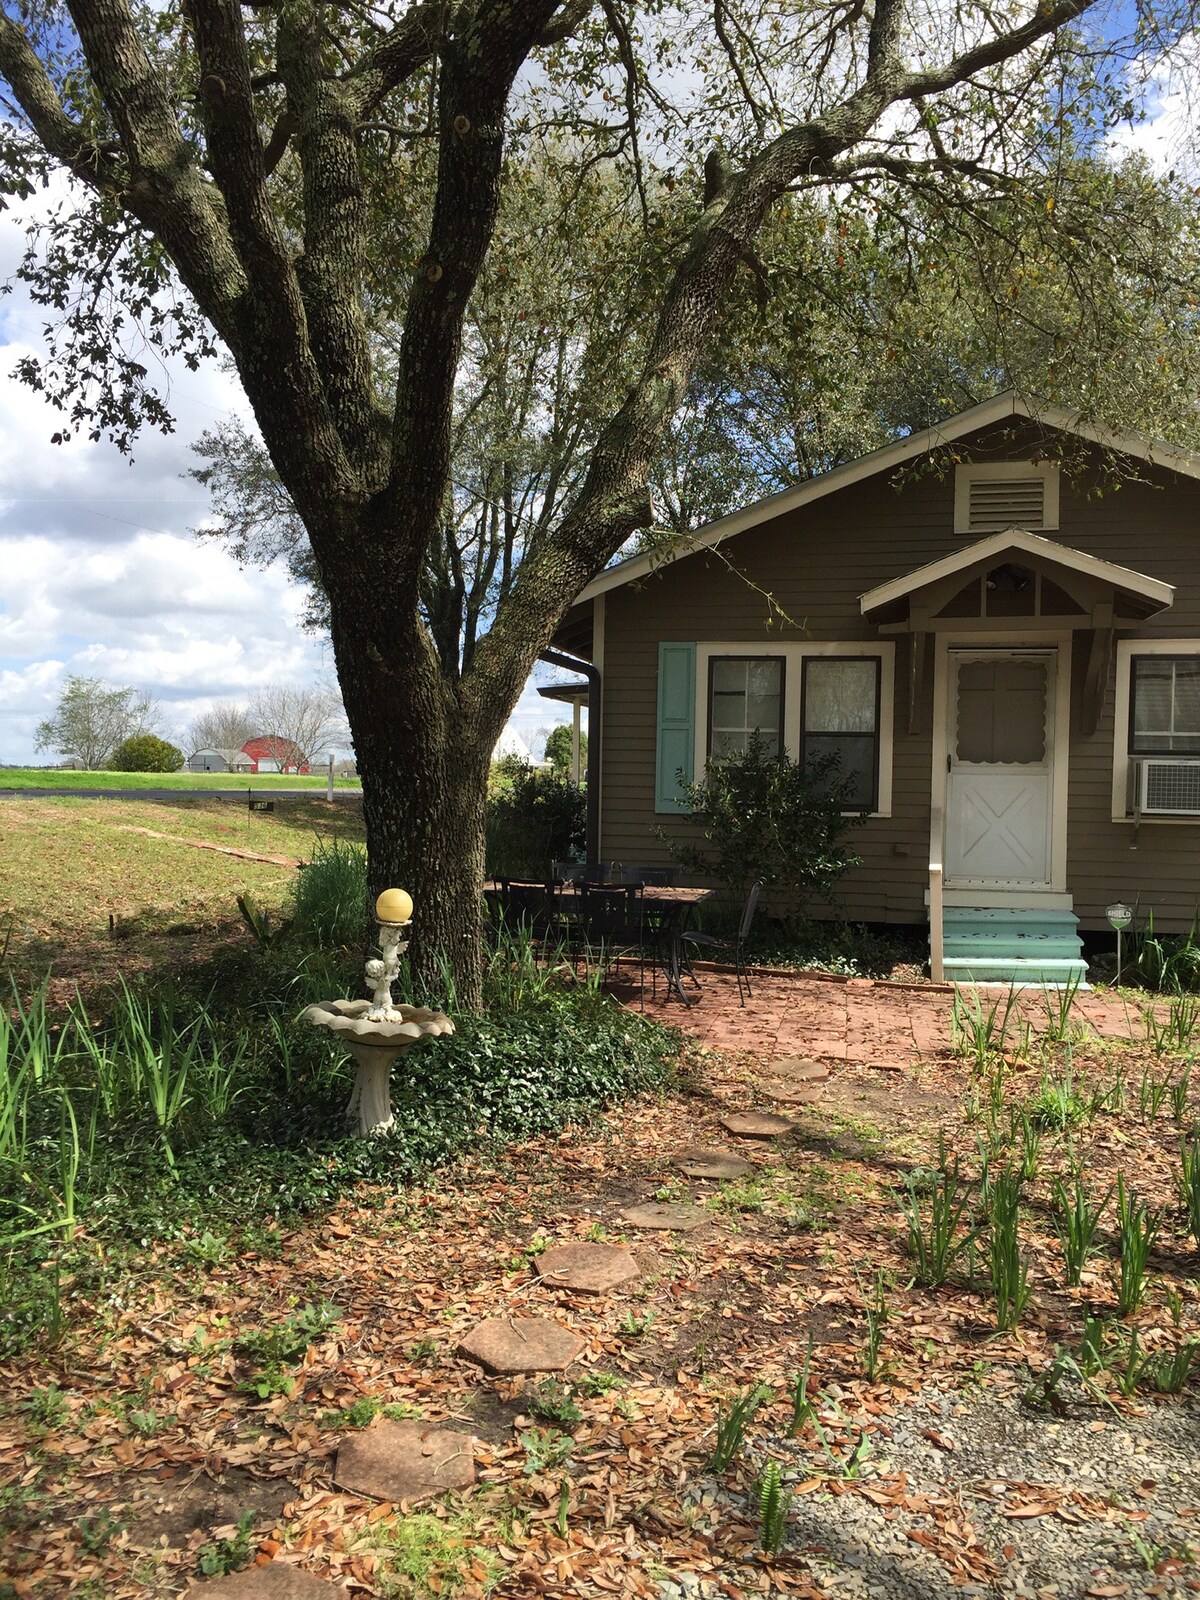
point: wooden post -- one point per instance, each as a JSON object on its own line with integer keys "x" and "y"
{"x": 329, "y": 781}
{"x": 937, "y": 968}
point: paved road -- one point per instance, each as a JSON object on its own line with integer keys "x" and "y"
{"x": 172, "y": 794}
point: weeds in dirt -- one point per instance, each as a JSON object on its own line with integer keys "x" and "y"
{"x": 1189, "y": 1182}
{"x": 1180, "y": 1092}
{"x": 1137, "y": 1230}
{"x": 1009, "y": 1268}
{"x": 1061, "y": 1026}
{"x": 1076, "y": 1219}
{"x": 1152, "y": 1093}
{"x": 875, "y": 1309}
{"x": 227, "y": 1555}
{"x": 803, "y": 1410}
{"x": 732, "y": 1422}
{"x": 1026, "y": 1137}
{"x": 545, "y": 1448}
{"x": 552, "y": 1401}
{"x": 1057, "y": 1104}
{"x": 979, "y": 1032}
{"x": 934, "y": 1221}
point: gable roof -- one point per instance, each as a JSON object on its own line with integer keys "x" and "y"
{"x": 1003, "y": 406}
{"x": 1018, "y": 540}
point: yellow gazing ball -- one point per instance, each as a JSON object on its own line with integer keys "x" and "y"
{"x": 394, "y": 905}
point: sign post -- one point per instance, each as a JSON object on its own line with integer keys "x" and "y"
{"x": 329, "y": 781}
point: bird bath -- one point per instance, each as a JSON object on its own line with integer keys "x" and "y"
{"x": 377, "y": 1032}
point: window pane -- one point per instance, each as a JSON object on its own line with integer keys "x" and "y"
{"x": 840, "y": 694}
{"x": 728, "y": 675}
{"x": 746, "y": 697}
{"x": 1001, "y": 712}
{"x": 855, "y": 764}
{"x": 1166, "y": 705}
{"x": 1187, "y": 696}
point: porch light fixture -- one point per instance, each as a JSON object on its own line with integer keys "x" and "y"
{"x": 1119, "y": 917}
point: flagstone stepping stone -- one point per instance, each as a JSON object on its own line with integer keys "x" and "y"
{"x": 588, "y": 1268}
{"x": 756, "y": 1124}
{"x": 792, "y": 1094}
{"x": 404, "y": 1461}
{"x": 676, "y": 1215}
{"x": 698, "y": 1162}
{"x": 276, "y": 1581}
{"x": 521, "y": 1344}
{"x": 800, "y": 1068}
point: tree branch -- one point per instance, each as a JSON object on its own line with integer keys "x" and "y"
{"x": 612, "y": 503}
{"x": 58, "y": 132}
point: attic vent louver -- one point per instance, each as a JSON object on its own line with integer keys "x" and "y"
{"x": 995, "y": 504}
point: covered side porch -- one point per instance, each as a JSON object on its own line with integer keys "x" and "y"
{"x": 995, "y": 633}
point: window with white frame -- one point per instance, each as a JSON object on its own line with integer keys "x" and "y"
{"x": 1156, "y": 723}
{"x": 839, "y": 723}
{"x": 1164, "y": 705}
{"x": 745, "y": 697}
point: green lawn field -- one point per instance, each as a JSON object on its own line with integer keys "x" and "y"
{"x": 197, "y": 782}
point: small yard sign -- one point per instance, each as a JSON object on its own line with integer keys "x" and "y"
{"x": 258, "y": 805}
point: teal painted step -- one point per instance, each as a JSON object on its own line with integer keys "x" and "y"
{"x": 1000, "y": 945}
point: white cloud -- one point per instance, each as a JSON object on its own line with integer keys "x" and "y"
{"x": 1167, "y": 91}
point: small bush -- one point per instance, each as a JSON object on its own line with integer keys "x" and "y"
{"x": 330, "y": 895}
{"x": 534, "y": 818}
{"x": 767, "y": 816}
{"x": 146, "y": 752}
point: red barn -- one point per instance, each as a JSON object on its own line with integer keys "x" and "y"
{"x": 269, "y": 753}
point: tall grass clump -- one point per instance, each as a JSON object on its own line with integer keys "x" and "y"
{"x": 1137, "y": 1229}
{"x": 934, "y": 1213}
{"x": 1009, "y": 1269}
{"x": 979, "y": 1032}
{"x": 1076, "y": 1220}
{"x": 330, "y": 895}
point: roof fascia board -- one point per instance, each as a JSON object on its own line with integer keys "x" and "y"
{"x": 1031, "y": 544}
{"x": 1007, "y": 404}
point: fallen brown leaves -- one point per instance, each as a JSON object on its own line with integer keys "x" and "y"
{"x": 159, "y": 1436}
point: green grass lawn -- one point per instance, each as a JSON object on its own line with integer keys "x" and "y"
{"x": 69, "y": 863}
{"x": 51, "y": 778}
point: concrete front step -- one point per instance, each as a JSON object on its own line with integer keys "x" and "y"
{"x": 1041, "y": 974}
{"x": 991, "y": 944}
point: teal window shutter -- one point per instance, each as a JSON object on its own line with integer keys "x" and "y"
{"x": 676, "y": 740}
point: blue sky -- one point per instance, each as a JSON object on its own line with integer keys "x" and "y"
{"x": 100, "y": 575}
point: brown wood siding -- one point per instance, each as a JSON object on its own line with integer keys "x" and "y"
{"x": 817, "y": 562}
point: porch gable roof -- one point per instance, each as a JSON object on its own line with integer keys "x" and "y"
{"x": 1153, "y": 593}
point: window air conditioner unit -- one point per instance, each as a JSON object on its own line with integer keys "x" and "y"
{"x": 1168, "y": 786}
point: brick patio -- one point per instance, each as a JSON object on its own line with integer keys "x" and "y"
{"x": 852, "y": 1020}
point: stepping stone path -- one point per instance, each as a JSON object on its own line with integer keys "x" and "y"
{"x": 800, "y": 1069}
{"x": 697, "y": 1162}
{"x": 677, "y": 1216}
{"x": 276, "y": 1581}
{"x": 521, "y": 1344}
{"x": 405, "y": 1461}
{"x": 791, "y": 1094}
{"x": 587, "y": 1268}
{"x": 796, "y": 1081}
{"x": 756, "y": 1124}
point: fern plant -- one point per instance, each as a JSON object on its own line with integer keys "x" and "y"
{"x": 774, "y": 1503}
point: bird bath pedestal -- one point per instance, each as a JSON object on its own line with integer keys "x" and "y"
{"x": 376, "y": 1032}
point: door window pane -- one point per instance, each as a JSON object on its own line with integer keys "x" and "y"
{"x": 1166, "y": 705}
{"x": 1001, "y": 712}
{"x": 745, "y": 697}
{"x": 841, "y": 720}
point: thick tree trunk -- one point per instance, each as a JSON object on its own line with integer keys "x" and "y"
{"x": 424, "y": 774}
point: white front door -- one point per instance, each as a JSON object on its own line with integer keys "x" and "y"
{"x": 1000, "y": 789}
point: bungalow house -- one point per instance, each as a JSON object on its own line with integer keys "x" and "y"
{"x": 998, "y": 635}
{"x": 212, "y": 760}
{"x": 269, "y": 753}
